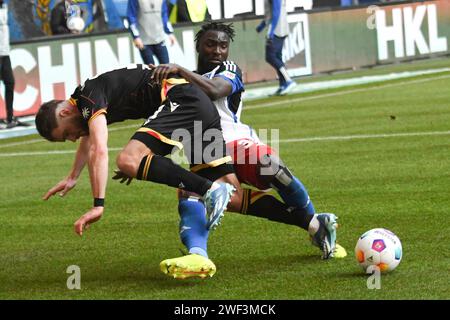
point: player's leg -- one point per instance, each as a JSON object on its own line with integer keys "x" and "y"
{"x": 140, "y": 160}
{"x": 194, "y": 235}
{"x": 321, "y": 227}
{"x": 193, "y": 223}
{"x": 247, "y": 156}
{"x": 147, "y": 54}
{"x": 161, "y": 52}
{"x": 273, "y": 173}
{"x": 8, "y": 80}
{"x": 279, "y": 43}
{"x": 257, "y": 164}
{"x": 194, "y": 228}
{"x": 274, "y": 49}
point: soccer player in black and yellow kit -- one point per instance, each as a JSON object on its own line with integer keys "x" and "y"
{"x": 127, "y": 93}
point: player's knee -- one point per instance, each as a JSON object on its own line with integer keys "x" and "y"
{"x": 235, "y": 204}
{"x": 184, "y": 195}
{"x": 127, "y": 163}
{"x": 269, "y": 58}
{"x": 271, "y": 170}
{"x": 236, "y": 200}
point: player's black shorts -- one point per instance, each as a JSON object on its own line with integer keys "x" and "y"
{"x": 188, "y": 120}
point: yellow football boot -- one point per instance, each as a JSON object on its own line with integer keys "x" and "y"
{"x": 189, "y": 266}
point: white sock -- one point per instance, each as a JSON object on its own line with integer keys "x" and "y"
{"x": 199, "y": 251}
{"x": 286, "y": 77}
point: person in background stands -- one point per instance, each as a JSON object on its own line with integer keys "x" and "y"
{"x": 188, "y": 11}
{"x": 58, "y": 19}
{"x": 276, "y": 19}
{"x": 6, "y": 72}
{"x": 149, "y": 25}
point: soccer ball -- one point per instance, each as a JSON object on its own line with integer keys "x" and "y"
{"x": 379, "y": 247}
{"x": 75, "y": 24}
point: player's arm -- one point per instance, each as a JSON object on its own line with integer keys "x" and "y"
{"x": 276, "y": 12}
{"x": 132, "y": 16}
{"x": 98, "y": 171}
{"x": 69, "y": 182}
{"x": 168, "y": 29}
{"x": 215, "y": 88}
{"x": 267, "y": 18}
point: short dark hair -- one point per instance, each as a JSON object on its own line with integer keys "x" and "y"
{"x": 215, "y": 26}
{"x": 46, "y": 119}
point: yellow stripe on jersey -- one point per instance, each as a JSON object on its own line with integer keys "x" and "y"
{"x": 96, "y": 114}
{"x": 73, "y": 102}
{"x": 170, "y": 82}
{"x": 159, "y": 136}
{"x": 211, "y": 164}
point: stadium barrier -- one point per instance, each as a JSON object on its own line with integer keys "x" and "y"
{"x": 319, "y": 41}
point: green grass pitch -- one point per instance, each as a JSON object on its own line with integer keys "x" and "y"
{"x": 392, "y": 171}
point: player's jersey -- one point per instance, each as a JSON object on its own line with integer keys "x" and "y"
{"x": 230, "y": 107}
{"x": 120, "y": 94}
{"x": 276, "y": 16}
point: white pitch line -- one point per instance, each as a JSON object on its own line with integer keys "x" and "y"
{"x": 44, "y": 153}
{"x": 366, "y": 136}
{"x": 311, "y": 139}
{"x": 288, "y": 102}
{"x": 15, "y": 144}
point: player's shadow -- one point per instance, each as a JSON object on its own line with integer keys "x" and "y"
{"x": 155, "y": 279}
{"x": 287, "y": 260}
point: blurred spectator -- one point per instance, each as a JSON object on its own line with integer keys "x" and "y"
{"x": 278, "y": 29}
{"x": 346, "y": 3}
{"x": 58, "y": 19}
{"x": 188, "y": 11}
{"x": 6, "y": 72}
{"x": 149, "y": 24}
{"x": 66, "y": 17}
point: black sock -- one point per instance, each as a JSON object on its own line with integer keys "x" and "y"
{"x": 263, "y": 205}
{"x": 162, "y": 170}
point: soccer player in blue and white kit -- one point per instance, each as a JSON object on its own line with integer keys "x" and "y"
{"x": 278, "y": 29}
{"x": 222, "y": 81}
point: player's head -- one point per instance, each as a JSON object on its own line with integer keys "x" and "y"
{"x": 59, "y": 120}
{"x": 213, "y": 43}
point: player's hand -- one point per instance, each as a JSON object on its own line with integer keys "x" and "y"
{"x": 162, "y": 71}
{"x": 62, "y": 187}
{"x": 87, "y": 219}
{"x": 261, "y": 26}
{"x": 138, "y": 43}
{"x": 172, "y": 39}
{"x": 122, "y": 176}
